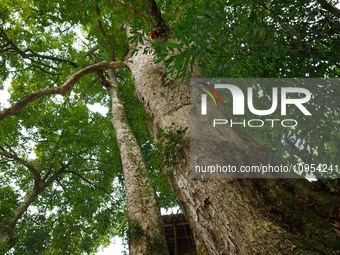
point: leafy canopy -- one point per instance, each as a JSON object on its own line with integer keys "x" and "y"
{"x": 42, "y": 43}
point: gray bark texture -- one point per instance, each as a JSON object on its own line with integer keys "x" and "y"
{"x": 233, "y": 216}
{"x": 146, "y": 233}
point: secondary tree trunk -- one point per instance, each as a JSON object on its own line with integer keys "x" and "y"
{"x": 7, "y": 237}
{"x": 234, "y": 216}
{"x": 146, "y": 234}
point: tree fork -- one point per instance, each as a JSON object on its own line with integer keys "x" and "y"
{"x": 62, "y": 90}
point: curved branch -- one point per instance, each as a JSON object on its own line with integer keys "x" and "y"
{"x": 28, "y": 165}
{"x": 62, "y": 90}
{"x": 30, "y": 197}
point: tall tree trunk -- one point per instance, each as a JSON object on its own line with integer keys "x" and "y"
{"x": 146, "y": 234}
{"x": 227, "y": 216}
{"x": 6, "y": 230}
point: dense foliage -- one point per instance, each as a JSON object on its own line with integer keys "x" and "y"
{"x": 60, "y": 139}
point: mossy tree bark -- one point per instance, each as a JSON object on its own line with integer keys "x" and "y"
{"x": 146, "y": 234}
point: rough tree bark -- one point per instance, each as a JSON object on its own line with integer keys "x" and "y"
{"x": 146, "y": 234}
{"x": 234, "y": 216}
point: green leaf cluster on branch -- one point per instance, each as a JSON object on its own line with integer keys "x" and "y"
{"x": 55, "y": 149}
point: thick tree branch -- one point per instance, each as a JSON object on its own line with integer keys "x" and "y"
{"x": 330, "y": 8}
{"x": 48, "y": 178}
{"x": 161, "y": 26}
{"x": 38, "y": 188}
{"x": 153, "y": 12}
{"x": 62, "y": 90}
{"x": 22, "y": 208}
{"x": 103, "y": 80}
{"x": 28, "y": 165}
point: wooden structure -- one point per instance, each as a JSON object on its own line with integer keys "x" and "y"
{"x": 178, "y": 235}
